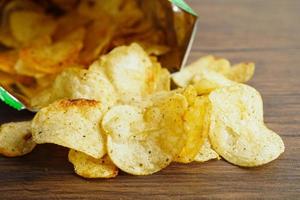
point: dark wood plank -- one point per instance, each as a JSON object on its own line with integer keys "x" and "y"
{"x": 253, "y": 30}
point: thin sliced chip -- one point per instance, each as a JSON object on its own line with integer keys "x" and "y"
{"x": 241, "y": 73}
{"x": 75, "y": 83}
{"x": 253, "y": 146}
{"x": 195, "y": 126}
{"x": 23, "y": 69}
{"x": 155, "y": 49}
{"x": 186, "y": 75}
{"x": 8, "y": 60}
{"x": 208, "y": 80}
{"x": 26, "y": 26}
{"x": 7, "y": 39}
{"x": 54, "y": 58}
{"x": 89, "y": 167}
{"x": 236, "y": 104}
{"x": 153, "y": 144}
{"x": 206, "y": 153}
{"x": 160, "y": 78}
{"x": 124, "y": 119}
{"x": 129, "y": 69}
{"x": 237, "y": 129}
{"x": 73, "y": 124}
{"x": 16, "y": 139}
{"x": 98, "y": 37}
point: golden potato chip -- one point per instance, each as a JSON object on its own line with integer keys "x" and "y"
{"x": 155, "y": 49}
{"x": 206, "y": 153}
{"x": 154, "y": 141}
{"x": 195, "y": 125}
{"x": 26, "y": 26}
{"x": 208, "y": 80}
{"x": 89, "y": 167}
{"x": 193, "y": 74}
{"x": 159, "y": 78}
{"x": 16, "y": 139}
{"x": 75, "y": 83}
{"x": 129, "y": 70}
{"x": 253, "y": 145}
{"x": 7, "y": 39}
{"x": 186, "y": 75}
{"x": 54, "y": 58}
{"x": 124, "y": 119}
{"x": 23, "y": 69}
{"x": 97, "y": 40}
{"x": 237, "y": 103}
{"x": 241, "y": 73}
{"x": 8, "y": 60}
{"x": 73, "y": 124}
{"x": 237, "y": 130}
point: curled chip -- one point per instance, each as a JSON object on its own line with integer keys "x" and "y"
{"x": 153, "y": 142}
{"x": 26, "y": 26}
{"x": 73, "y": 124}
{"x": 129, "y": 69}
{"x": 89, "y": 167}
{"x": 241, "y": 73}
{"x": 16, "y": 139}
{"x": 237, "y": 130}
{"x": 76, "y": 83}
{"x": 195, "y": 125}
{"x": 199, "y": 71}
{"x": 208, "y": 80}
{"x": 53, "y": 58}
{"x": 206, "y": 153}
{"x": 8, "y": 60}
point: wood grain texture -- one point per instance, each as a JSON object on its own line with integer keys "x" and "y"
{"x": 266, "y": 32}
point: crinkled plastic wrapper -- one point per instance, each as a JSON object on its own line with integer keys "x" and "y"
{"x": 174, "y": 19}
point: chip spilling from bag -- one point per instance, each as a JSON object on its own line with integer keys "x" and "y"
{"x": 101, "y": 87}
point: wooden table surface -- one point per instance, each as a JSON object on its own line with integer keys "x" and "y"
{"x": 264, "y": 31}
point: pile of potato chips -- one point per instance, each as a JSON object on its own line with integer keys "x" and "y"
{"x": 43, "y": 38}
{"x": 121, "y": 114}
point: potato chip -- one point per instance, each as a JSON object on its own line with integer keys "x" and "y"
{"x": 23, "y": 69}
{"x": 89, "y": 167}
{"x": 195, "y": 125}
{"x": 26, "y": 26}
{"x": 124, "y": 119}
{"x": 7, "y": 39}
{"x": 129, "y": 70}
{"x": 208, "y": 80}
{"x": 237, "y": 130}
{"x": 206, "y": 153}
{"x": 75, "y": 83}
{"x": 155, "y": 49}
{"x": 16, "y": 139}
{"x": 153, "y": 144}
{"x": 236, "y": 104}
{"x": 187, "y": 74}
{"x": 53, "y": 58}
{"x": 73, "y": 124}
{"x": 193, "y": 73}
{"x": 254, "y": 145}
{"x": 8, "y": 60}
{"x": 97, "y": 40}
{"x": 241, "y": 73}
